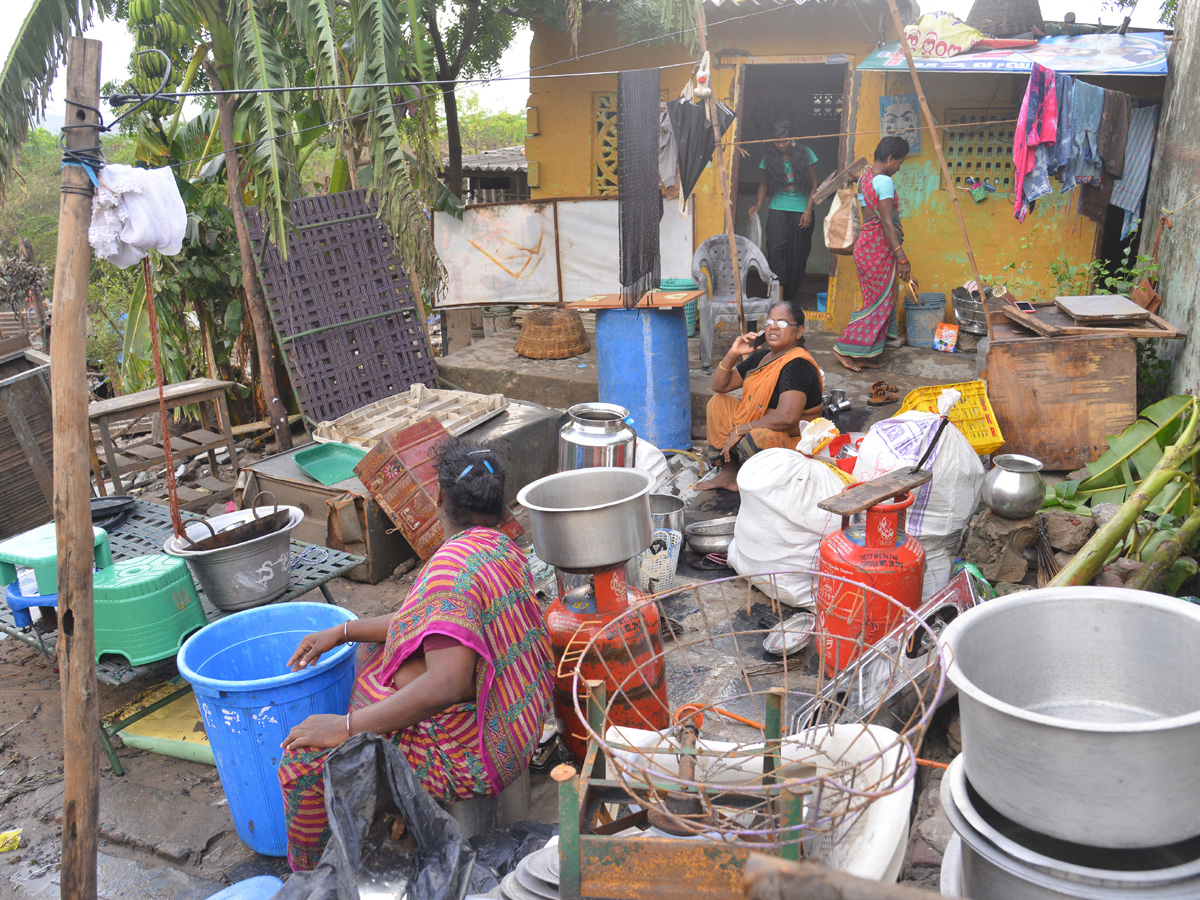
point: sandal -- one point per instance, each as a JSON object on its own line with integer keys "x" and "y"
{"x": 882, "y": 397}
{"x": 884, "y": 386}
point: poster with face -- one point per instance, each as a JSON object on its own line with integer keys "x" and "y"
{"x": 899, "y": 115}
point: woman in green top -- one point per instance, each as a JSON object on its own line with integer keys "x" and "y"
{"x": 790, "y": 179}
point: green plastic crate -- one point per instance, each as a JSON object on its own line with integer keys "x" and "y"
{"x": 691, "y": 309}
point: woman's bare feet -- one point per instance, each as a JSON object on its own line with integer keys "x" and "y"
{"x": 724, "y": 479}
{"x": 847, "y": 362}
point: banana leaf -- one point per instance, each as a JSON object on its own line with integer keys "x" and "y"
{"x": 1131, "y": 456}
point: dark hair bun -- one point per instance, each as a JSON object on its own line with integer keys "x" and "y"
{"x": 471, "y": 477}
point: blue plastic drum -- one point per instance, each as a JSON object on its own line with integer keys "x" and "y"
{"x": 642, "y": 363}
{"x": 249, "y": 701}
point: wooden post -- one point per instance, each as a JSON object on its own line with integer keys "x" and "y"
{"x": 72, "y": 493}
{"x": 937, "y": 146}
{"x": 25, "y": 248}
{"x": 730, "y": 231}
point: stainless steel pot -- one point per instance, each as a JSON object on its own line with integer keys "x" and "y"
{"x": 1080, "y": 716}
{"x": 1014, "y": 488}
{"x": 596, "y": 434}
{"x": 1000, "y": 862}
{"x": 667, "y": 511}
{"x": 589, "y": 519}
{"x": 713, "y": 536}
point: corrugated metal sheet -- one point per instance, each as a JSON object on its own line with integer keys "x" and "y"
{"x": 502, "y": 159}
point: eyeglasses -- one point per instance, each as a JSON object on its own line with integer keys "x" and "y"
{"x": 780, "y": 323}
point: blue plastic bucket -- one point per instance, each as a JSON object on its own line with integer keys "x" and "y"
{"x": 922, "y": 317}
{"x": 249, "y": 701}
{"x": 822, "y": 300}
{"x": 642, "y": 365}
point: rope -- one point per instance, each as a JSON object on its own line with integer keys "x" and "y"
{"x": 172, "y": 489}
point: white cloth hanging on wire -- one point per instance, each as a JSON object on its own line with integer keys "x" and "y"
{"x": 135, "y": 211}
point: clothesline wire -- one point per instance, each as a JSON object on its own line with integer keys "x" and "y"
{"x": 813, "y": 137}
{"x": 518, "y": 76}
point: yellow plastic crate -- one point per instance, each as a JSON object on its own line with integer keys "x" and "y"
{"x": 973, "y": 415}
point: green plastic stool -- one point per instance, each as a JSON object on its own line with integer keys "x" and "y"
{"x": 38, "y": 550}
{"x": 145, "y": 607}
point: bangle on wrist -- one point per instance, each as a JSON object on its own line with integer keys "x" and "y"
{"x": 349, "y": 733}
{"x": 724, "y": 368}
{"x": 346, "y": 631}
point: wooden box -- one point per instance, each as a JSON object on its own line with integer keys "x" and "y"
{"x": 1057, "y": 399}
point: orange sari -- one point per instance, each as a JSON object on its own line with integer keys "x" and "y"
{"x": 726, "y": 412}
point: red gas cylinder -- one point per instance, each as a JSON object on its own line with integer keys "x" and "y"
{"x": 627, "y": 657}
{"x": 880, "y": 555}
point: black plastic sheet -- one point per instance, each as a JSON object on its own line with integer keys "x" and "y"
{"x": 369, "y": 788}
{"x": 501, "y": 850}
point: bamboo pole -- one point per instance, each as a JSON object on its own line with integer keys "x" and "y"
{"x": 72, "y": 494}
{"x": 937, "y": 144}
{"x": 1151, "y": 576}
{"x": 1090, "y": 559}
{"x": 701, "y": 30}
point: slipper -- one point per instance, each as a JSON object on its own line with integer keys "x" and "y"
{"x": 896, "y": 343}
{"x": 882, "y": 398}
{"x": 884, "y": 386}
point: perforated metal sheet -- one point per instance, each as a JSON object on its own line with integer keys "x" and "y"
{"x": 342, "y": 306}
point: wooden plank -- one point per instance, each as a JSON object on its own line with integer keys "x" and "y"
{"x": 1032, "y": 322}
{"x": 650, "y": 300}
{"x": 1102, "y": 309}
{"x": 148, "y": 452}
{"x": 871, "y": 493}
{"x": 204, "y": 438}
{"x": 28, "y": 443}
{"x": 216, "y": 485}
{"x": 1057, "y": 399}
{"x": 833, "y": 183}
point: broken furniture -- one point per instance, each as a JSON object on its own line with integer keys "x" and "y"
{"x": 147, "y": 454}
{"x": 719, "y": 302}
{"x": 345, "y": 517}
{"x": 1113, "y": 315}
{"x": 26, "y": 439}
{"x": 144, "y": 532}
{"x": 1057, "y": 399}
{"x": 342, "y": 306}
{"x": 458, "y": 411}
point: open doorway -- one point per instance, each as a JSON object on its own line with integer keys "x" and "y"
{"x": 810, "y": 97}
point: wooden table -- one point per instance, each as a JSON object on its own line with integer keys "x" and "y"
{"x": 149, "y": 453}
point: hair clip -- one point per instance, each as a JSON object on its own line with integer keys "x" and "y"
{"x": 489, "y": 467}
{"x": 463, "y": 474}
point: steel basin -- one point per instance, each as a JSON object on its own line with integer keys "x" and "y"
{"x": 1000, "y": 861}
{"x": 712, "y": 536}
{"x": 1080, "y": 712}
{"x": 586, "y": 520}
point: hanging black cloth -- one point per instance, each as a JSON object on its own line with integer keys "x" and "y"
{"x": 637, "y": 182}
{"x": 694, "y": 137}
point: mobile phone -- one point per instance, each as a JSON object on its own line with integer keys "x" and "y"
{"x": 1024, "y": 306}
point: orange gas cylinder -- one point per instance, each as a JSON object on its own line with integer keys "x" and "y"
{"x": 880, "y": 555}
{"x": 628, "y": 660}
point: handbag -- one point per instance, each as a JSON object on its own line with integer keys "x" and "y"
{"x": 842, "y": 223}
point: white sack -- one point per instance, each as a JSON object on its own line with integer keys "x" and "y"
{"x": 651, "y": 460}
{"x": 943, "y": 506}
{"x": 135, "y": 211}
{"x": 778, "y": 525}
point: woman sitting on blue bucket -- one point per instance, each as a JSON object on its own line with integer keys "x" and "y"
{"x": 458, "y": 678}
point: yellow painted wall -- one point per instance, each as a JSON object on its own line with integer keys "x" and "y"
{"x": 563, "y": 146}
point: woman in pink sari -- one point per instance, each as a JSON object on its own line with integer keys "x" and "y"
{"x": 880, "y": 260}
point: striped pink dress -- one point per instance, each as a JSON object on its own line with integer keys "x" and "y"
{"x": 476, "y": 590}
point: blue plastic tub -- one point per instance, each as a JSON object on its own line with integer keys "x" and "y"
{"x": 922, "y": 317}
{"x": 642, "y": 365}
{"x": 249, "y": 701}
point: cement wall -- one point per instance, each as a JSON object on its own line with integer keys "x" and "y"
{"x": 1174, "y": 181}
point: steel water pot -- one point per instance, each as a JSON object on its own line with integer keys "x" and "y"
{"x": 596, "y": 434}
{"x": 1014, "y": 488}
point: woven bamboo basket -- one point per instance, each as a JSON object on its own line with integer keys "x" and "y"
{"x": 552, "y": 333}
{"x": 1002, "y": 18}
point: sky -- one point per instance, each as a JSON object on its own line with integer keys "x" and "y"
{"x": 512, "y": 95}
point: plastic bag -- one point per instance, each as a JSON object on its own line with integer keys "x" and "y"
{"x": 501, "y": 850}
{"x": 754, "y": 231}
{"x": 779, "y": 527}
{"x": 940, "y": 35}
{"x": 369, "y": 786}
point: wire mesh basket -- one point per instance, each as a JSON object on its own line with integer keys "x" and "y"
{"x": 656, "y": 568}
{"x": 768, "y": 752}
